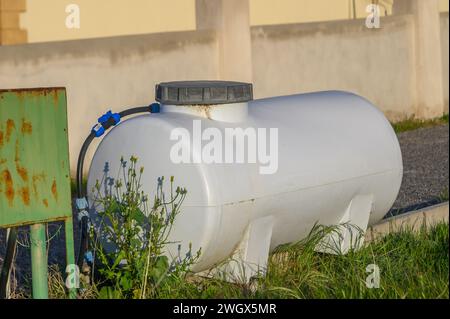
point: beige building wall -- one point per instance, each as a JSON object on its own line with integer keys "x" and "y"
{"x": 266, "y": 12}
{"x": 443, "y": 5}
{"x": 10, "y": 31}
{"x": 45, "y": 19}
{"x": 445, "y": 58}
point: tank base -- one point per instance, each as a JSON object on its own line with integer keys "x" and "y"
{"x": 349, "y": 233}
{"x": 250, "y": 258}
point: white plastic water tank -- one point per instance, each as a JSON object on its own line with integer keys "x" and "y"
{"x": 339, "y": 161}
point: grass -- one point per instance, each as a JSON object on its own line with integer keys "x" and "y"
{"x": 443, "y": 196}
{"x": 413, "y": 124}
{"x": 412, "y": 265}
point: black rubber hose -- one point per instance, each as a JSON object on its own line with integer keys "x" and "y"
{"x": 135, "y": 110}
{"x": 84, "y": 241}
{"x": 7, "y": 263}
{"x": 81, "y": 191}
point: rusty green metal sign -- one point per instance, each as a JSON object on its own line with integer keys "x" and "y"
{"x": 34, "y": 170}
{"x": 34, "y": 157}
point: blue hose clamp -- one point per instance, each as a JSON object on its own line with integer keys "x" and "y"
{"x": 155, "y": 108}
{"x": 104, "y": 122}
{"x": 89, "y": 257}
{"x": 98, "y": 130}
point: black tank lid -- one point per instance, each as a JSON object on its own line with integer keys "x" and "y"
{"x": 203, "y": 92}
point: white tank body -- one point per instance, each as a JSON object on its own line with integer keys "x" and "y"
{"x": 334, "y": 148}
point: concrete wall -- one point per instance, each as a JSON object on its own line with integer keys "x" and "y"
{"x": 445, "y": 57}
{"x": 344, "y": 55}
{"x": 413, "y": 221}
{"x": 108, "y": 73}
{"x": 120, "y": 72}
{"x": 230, "y": 20}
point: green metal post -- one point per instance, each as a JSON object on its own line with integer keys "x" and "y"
{"x": 70, "y": 257}
{"x": 39, "y": 261}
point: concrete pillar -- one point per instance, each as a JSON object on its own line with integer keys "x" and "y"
{"x": 430, "y": 91}
{"x": 10, "y": 32}
{"x": 231, "y": 20}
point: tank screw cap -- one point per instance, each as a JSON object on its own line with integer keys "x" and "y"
{"x": 203, "y": 92}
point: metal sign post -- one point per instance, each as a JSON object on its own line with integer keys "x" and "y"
{"x": 34, "y": 171}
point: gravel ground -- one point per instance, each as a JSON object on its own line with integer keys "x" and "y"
{"x": 425, "y": 160}
{"x": 425, "y": 167}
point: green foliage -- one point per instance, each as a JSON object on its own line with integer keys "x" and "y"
{"x": 413, "y": 123}
{"x": 412, "y": 265}
{"x": 443, "y": 196}
{"x": 135, "y": 266}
